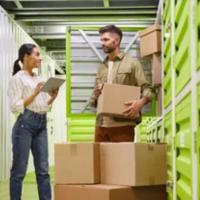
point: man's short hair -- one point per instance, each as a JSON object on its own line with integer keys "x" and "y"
{"x": 111, "y": 29}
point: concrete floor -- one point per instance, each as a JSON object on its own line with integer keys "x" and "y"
{"x": 29, "y": 187}
{"x": 29, "y": 191}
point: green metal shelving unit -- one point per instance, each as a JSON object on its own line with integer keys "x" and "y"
{"x": 141, "y": 130}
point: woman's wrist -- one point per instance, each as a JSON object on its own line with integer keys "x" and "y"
{"x": 33, "y": 95}
{"x": 51, "y": 100}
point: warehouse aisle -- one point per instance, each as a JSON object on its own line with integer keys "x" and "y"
{"x": 163, "y": 34}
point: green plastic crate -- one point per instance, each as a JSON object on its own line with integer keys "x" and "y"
{"x": 183, "y": 146}
{"x": 182, "y": 44}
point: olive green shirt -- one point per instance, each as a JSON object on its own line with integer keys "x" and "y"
{"x": 125, "y": 71}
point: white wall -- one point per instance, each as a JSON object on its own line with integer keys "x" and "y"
{"x": 11, "y": 38}
{"x": 59, "y": 111}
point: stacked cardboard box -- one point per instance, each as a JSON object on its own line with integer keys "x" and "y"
{"x": 77, "y": 163}
{"x": 133, "y": 164}
{"x": 108, "y": 192}
{"x": 150, "y": 45}
{"x": 156, "y": 69}
{"x": 150, "y": 40}
{"x": 110, "y": 171}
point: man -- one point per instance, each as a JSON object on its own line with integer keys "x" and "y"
{"x": 119, "y": 68}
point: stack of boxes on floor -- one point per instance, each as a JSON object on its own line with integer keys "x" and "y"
{"x": 110, "y": 171}
{"x": 150, "y": 47}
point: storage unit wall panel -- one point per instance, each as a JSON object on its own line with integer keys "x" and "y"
{"x": 198, "y": 29}
{"x": 167, "y": 89}
{"x": 182, "y": 44}
{"x": 166, "y": 11}
{"x": 168, "y": 140}
{"x": 167, "y": 52}
{"x": 183, "y": 149}
{"x": 198, "y": 138}
{"x": 7, "y": 44}
{"x": 185, "y": 24}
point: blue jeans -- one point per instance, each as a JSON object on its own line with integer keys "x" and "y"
{"x": 30, "y": 132}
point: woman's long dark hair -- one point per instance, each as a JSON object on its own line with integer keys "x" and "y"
{"x": 23, "y": 50}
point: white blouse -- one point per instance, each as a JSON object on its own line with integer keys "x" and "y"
{"x": 21, "y": 86}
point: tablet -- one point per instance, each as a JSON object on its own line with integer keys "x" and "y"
{"x": 52, "y": 84}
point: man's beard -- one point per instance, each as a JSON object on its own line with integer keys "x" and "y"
{"x": 108, "y": 50}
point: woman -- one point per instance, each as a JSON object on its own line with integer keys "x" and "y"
{"x": 30, "y": 130}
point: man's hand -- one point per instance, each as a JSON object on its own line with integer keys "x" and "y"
{"x": 135, "y": 106}
{"x": 133, "y": 109}
{"x": 97, "y": 90}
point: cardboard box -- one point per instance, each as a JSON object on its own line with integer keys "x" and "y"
{"x": 77, "y": 163}
{"x": 108, "y": 192}
{"x": 112, "y": 99}
{"x": 133, "y": 164}
{"x": 156, "y": 69}
{"x": 150, "y": 40}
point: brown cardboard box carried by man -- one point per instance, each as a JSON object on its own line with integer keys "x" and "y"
{"x": 111, "y": 101}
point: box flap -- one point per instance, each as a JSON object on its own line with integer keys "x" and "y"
{"x": 155, "y": 27}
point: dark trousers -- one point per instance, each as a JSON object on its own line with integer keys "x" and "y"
{"x": 114, "y": 134}
{"x": 30, "y": 133}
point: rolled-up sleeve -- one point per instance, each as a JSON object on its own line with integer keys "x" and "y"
{"x": 146, "y": 87}
{"x": 16, "y": 100}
